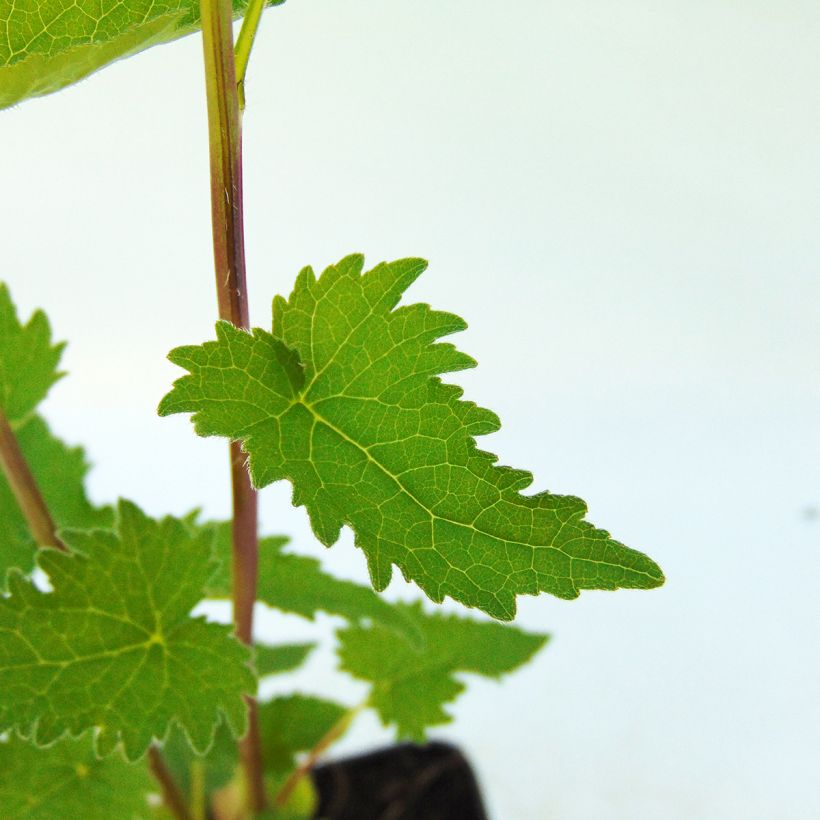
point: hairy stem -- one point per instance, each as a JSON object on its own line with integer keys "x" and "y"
{"x": 171, "y": 795}
{"x": 25, "y": 489}
{"x": 244, "y": 44}
{"x": 327, "y": 740}
{"x": 225, "y": 140}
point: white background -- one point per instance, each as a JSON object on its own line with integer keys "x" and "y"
{"x": 622, "y": 199}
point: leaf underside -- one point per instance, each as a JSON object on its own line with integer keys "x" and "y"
{"x": 410, "y": 686}
{"x": 344, "y": 400}
{"x": 46, "y": 45}
{"x": 114, "y": 648}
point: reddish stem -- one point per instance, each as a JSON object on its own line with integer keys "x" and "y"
{"x": 225, "y": 140}
{"x": 25, "y": 489}
{"x": 171, "y": 795}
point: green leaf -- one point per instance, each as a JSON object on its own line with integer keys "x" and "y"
{"x": 48, "y": 44}
{"x": 60, "y": 473}
{"x": 207, "y": 772}
{"x": 296, "y": 584}
{"x": 67, "y": 780}
{"x": 28, "y": 368}
{"x": 409, "y": 685}
{"x": 293, "y": 724}
{"x": 28, "y": 359}
{"x": 274, "y": 660}
{"x": 370, "y": 437}
{"x": 114, "y": 647}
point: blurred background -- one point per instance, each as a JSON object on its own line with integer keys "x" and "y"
{"x": 622, "y": 200}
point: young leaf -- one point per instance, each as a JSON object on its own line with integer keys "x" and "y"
{"x": 297, "y": 584}
{"x": 294, "y": 724}
{"x": 274, "y": 660}
{"x": 60, "y": 474}
{"x": 48, "y": 44}
{"x": 28, "y": 359}
{"x": 409, "y": 685}
{"x": 344, "y": 401}
{"x": 68, "y": 780}
{"x": 114, "y": 647}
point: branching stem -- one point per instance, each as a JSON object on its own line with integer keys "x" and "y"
{"x": 225, "y": 140}
{"x": 244, "y": 44}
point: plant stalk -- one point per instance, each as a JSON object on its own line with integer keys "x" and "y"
{"x": 244, "y": 44}
{"x": 171, "y": 795}
{"x": 25, "y": 489}
{"x": 225, "y": 141}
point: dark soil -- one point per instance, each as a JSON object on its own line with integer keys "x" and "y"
{"x": 432, "y": 782}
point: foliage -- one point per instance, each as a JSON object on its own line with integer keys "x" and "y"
{"x": 69, "y": 780}
{"x": 46, "y": 45}
{"x": 105, "y": 659}
{"x": 28, "y": 359}
{"x": 111, "y": 653}
{"x": 60, "y": 473}
{"x": 113, "y": 646}
{"x": 408, "y": 685}
{"x": 28, "y": 368}
{"x": 297, "y": 585}
{"x": 344, "y": 400}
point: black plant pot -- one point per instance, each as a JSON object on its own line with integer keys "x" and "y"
{"x": 432, "y": 782}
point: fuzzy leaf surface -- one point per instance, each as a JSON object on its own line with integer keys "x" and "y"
{"x": 297, "y": 584}
{"x": 48, "y": 44}
{"x": 28, "y": 357}
{"x": 60, "y": 473}
{"x": 410, "y": 685}
{"x": 344, "y": 400}
{"x": 67, "y": 780}
{"x": 114, "y": 646}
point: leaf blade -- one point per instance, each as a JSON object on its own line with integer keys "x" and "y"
{"x": 28, "y": 359}
{"x": 292, "y": 724}
{"x": 63, "y": 42}
{"x": 409, "y": 685}
{"x": 113, "y": 647}
{"x": 274, "y": 660}
{"x": 373, "y": 439}
{"x": 69, "y": 780}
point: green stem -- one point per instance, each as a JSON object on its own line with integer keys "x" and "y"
{"x": 25, "y": 489}
{"x": 225, "y": 141}
{"x": 328, "y": 739}
{"x": 244, "y": 44}
{"x": 199, "y": 801}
